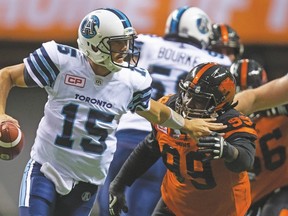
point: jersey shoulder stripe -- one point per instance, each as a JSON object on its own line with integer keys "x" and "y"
{"x": 41, "y": 67}
{"x": 140, "y": 100}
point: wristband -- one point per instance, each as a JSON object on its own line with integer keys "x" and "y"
{"x": 175, "y": 121}
{"x": 231, "y": 152}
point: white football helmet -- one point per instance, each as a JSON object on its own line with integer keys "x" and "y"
{"x": 98, "y": 29}
{"x": 189, "y": 23}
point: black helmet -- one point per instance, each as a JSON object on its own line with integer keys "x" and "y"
{"x": 248, "y": 74}
{"x": 224, "y": 37}
{"x": 208, "y": 88}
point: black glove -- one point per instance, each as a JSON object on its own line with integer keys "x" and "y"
{"x": 215, "y": 147}
{"x": 117, "y": 201}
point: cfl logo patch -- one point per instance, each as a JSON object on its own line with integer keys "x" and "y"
{"x": 75, "y": 80}
{"x": 86, "y": 196}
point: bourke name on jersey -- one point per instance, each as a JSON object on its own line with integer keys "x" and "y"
{"x": 183, "y": 58}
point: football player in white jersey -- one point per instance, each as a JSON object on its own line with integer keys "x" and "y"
{"x": 168, "y": 60}
{"x": 88, "y": 90}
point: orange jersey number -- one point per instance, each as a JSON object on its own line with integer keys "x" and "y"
{"x": 239, "y": 120}
{"x": 270, "y": 154}
{"x": 205, "y": 177}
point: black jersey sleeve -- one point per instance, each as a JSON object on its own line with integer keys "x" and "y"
{"x": 240, "y": 133}
{"x": 140, "y": 160}
{"x": 246, "y": 154}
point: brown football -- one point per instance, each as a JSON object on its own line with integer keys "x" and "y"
{"x": 11, "y": 140}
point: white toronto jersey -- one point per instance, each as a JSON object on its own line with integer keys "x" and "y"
{"x": 168, "y": 62}
{"x": 76, "y": 135}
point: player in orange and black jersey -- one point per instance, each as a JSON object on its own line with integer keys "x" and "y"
{"x": 269, "y": 176}
{"x": 206, "y": 176}
{"x": 269, "y": 182}
{"x": 225, "y": 40}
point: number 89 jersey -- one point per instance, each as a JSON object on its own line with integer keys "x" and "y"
{"x": 76, "y": 133}
{"x": 191, "y": 187}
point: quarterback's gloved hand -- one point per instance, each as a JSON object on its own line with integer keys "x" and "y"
{"x": 215, "y": 147}
{"x": 117, "y": 201}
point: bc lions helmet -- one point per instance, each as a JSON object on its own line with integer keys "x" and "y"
{"x": 248, "y": 74}
{"x": 189, "y": 23}
{"x": 207, "y": 90}
{"x": 101, "y": 27}
{"x": 225, "y": 39}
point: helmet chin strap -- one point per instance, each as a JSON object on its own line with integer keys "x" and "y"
{"x": 107, "y": 63}
{"x": 110, "y": 65}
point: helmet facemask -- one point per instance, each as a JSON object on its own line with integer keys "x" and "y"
{"x": 207, "y": 91}
{"x": 191, "y": 103}
{"x": 123, "y": 58}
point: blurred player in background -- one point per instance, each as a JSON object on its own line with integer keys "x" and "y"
{"x": 88, "y": 90}
{"x": 248, "y": 73}
{"x": 224, "y": 39}
{"x": 203, "y": 178}
{"x": 269, "y": 177}
{"x": 168, "y": 60}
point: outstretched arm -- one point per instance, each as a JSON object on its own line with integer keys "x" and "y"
{"x": 238, "y": 153}
{"x": 163, "y": 115}
{"x": 269, "y": 95}
{"x": 9, "y": 77}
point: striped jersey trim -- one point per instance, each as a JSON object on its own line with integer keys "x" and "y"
{"x": 140, "y": 100}
{"x": 43, "y": 68}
